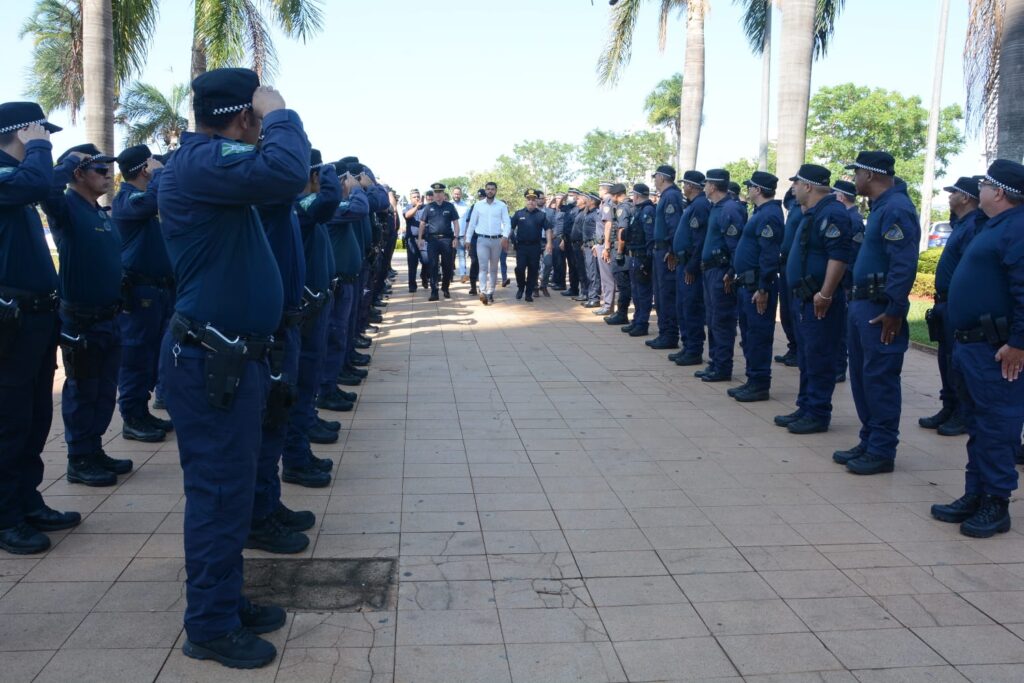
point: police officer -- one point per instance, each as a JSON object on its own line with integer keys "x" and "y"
{"x": 531, "y": 234}
{"x": 623, "y": 212}
{"x": 571, "y": 241}
{"x": 814, "y": 272}
{"x": 756, "y": 266}
{"x": 562, "y": 208}
{"x": 28, "y": 330}
{"x": 966, "y": 219}
{"x": 878, "y": 336}
{"x": 735, "y": 193}
{"x": 846, "y": 193}
{"x": 590, "y": 227}
{"x": 412, "y": 228}
{"x": 90, "y": 290}
{"x": 438, "y": 230}
{"x": 547, "y": 257}
{"x": 786, "y": 313}
{"x": 986, "y": 310}
{"x": 667, "y": 215}
{"x": 684, "y": 261}
{"x": 602, "y": 248}
{"x": 214, "y": 357}
{"x": 639, "y": 239}
{"x": 148, "y": 291}
{"x": 724, "y": 224}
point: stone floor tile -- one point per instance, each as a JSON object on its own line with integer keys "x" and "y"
{"x": 441, "y": 595}
{"x": 879, "y": 648}
{"x": 518, "y": 520}
{"x": 895, "y": 581}
{"x": 126, "y": 630}
{"x": 448, "y": 663}
{"x": 103, "y": 666}
{"x": 448, "y": 627}
{"x": 749, "y": 617}
{"x": 573, "y": 625}
{"x": 143, "y": 596}
{"x": 549, "y": 541}
{"x": 652, "y": 622}
{"x": 37, "y": 631}
{"x": 725, "y": 586}
{"x": 811, "y": 583}
{"x": 356, "y": 545}
{"x": 533, "y": 566}
{"x": 973, "y": 577}
{"x": 911, "y": 674}
{"x": 620, "y": 563}
{"x": 937, "y": 609}
{"x": 703, "y": 560}
{"x": 53, "y": 597}
{"x": 82, "y": 569}
{"x": 594, "y": 540}
{"x": 588, "y": 661}
{"x": 785, "y": 557}
{"x": 690, "y": 659}
{"x": 99, "y": 545}
{"x": 442, "y": 543}
{"x": 439, "y": 521}
{"x": 336, "y": 664}
{"x": 541, "y": 593}
{"x": 974, "y": 644}
{"x": 361, "y": 523}
{"x": 444, "y": 568}
{"x": 778, "y": 653}
{"x": 23, "y": 666}
{"x": 993, "y": 673}
{"x": 342, "y": 630}
{"x": 836, "y": 614}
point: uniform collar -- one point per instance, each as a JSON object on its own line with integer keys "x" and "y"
{"x": 825, "y": 202}
{"x": 7, "y": 160}
{"x": 1014, "y": 214}
{"x": 768, "y": 203}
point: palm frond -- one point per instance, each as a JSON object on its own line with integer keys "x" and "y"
{"x": 258, "y": 44}
{"x": 151, "y": 115}
{"x": 981, "y": 65}
{"x": 134, "y": 24}
{"x": 619, "y": 47}
{"x": 755, "y": 21}
{"x": 55, "y": 75}
{"x": 826, "y": 13}
{"x": 220, "y": 24}
{"x": 666, "y": 10}
{"x": 297, "y": 18}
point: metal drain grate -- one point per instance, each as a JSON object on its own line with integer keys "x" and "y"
{"x": 325, "y": 585}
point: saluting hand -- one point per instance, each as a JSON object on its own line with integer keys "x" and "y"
{"x": 265, "y": 100}
{"x": 891, "y": 326}
{"x": 33, "y": 131}
{"x": 1012, "y": 360}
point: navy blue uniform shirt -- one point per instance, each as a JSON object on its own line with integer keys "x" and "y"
{"x": 25, "y": 261}
{"x": 693, "y": 230}
{"x": 314, "y": 210}
{"x": 761, "y": 243}
{"x": 724, "y": 224}
{"x": 223, "y": 266}
{"x": 891, "y": 240}
{"x": 857, "y": 225}
{"x": 438, "y": 219}
{"x": 282, "y": 225}
{"x": 136, "y": 217}
{"x": 990, "y": 277}
{"x": 578, "y": 215}
{"x": 793, "y": 217}
{"x": 88, "y": 245}
{"x": 343, "y": 228}
{"x": 529, "y": 226}
{"x": 645, "y": 218}
{"x": 964, "y": 230}
{"x": 591, "y": 227}
{"x": 828, "y": 238}
{"x": 666, "y": 220}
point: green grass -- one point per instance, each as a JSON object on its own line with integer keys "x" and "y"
{"x": 918, "y": 327}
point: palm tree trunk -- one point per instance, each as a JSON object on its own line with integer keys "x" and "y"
{"x": 795, "y": 86}
{"x": 927, "y": 186}
{"x": 766, "y": 91}
{"x": 691, "y": 106}
{"x": 1011, "y": 83}
{"x": 198, "y": 68}
{"x": 98, "y": 73}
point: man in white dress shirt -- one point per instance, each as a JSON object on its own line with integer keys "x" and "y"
{"x": 492, "y": 226}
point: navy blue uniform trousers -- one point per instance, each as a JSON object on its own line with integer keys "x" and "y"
{"x": 413, "y": 259}
{"x": 527, "y": 266}
{"x": 721, "y": 317}
{"x": 786, "y": 312}
{"x": 691, "y": 312}
{"x": 875, "y": 378}
{"x": 87, "y": 405}
{"x": 219, "y": 450}
{"x": 142, "y": 329}
{"x": 760, "y": 335}
{"x": 268, "y": 480}
{"x": 817, "y": 344}
{"x": 26, "y": 411}
{"x": 441, "y": 259}
{"x": 995, "y": 420}
{"x": 642, "y": 287}
{"x": 593, "y": 274}
{"x": 303, "y": 413}
{"x": 663, "y": 285}
{"x": 338, "y": 337}
{"x": 949, "y": 384}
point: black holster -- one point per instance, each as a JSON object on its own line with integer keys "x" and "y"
{"x": 997, "y": 331}
{"x": 806, "y": 287}
{"x": 10, "y": 323}
{"x": 81, "y": 361}
{"x": 934, "y": 322}
{"x": 280, "y": 400}
{"x": 748, "y": 279}
{"x": 127, "y": 288}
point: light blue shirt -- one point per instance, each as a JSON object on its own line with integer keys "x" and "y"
{"x": 489, "y": 219}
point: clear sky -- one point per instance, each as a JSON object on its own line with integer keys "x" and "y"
{"x": 422, "y": 90}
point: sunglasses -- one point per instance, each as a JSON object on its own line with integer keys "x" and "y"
{"x": 101, "y": 169}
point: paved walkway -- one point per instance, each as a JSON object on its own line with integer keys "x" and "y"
{"x": 566, "y": 506}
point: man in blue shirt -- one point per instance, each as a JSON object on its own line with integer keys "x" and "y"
{"x": 532, "y": 235}
{"x": 149, "y": 291}
{"x": 814, "y": 272}
{"x": 639, "y": 238}
{"x": 439, "y": 229}
{"x": 684, "y": 260}
{"x": 878, "y": 335}
{"x": 966, "y": 219}
{"x": 668, "y": 213}
{"x": 622, "y": 211}
{"x": 214, "y": 357}
{"x": 90, "y": 291}
{"x": 755, "y": 266}
{"x": 786, "y": 313}
{"x": 986, "y": 310}
{"x": 846, "y": 192}
{"x": 724, "y": 224}
{"x": 28, "y": 330}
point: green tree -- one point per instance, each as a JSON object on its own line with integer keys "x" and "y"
{"x": 152, "y": 116}
{"x": 550, "y": 162}
{"x": 845, "y": 119}
{"x": 513, "y": 178}
{"x": 454, "y": 181}
{"x": 55, "y": 74}
{"x": 628, "y": 157}
{"x": 663, "y": 111}
{"x": 742, "y": 169}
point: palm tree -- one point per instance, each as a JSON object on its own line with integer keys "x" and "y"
{"x": 618, "y": 49}
{"x": 663, "y": 110}
{"x": 56, "y": 73}
{"x": 98, "y": 72}
{"x": 152, "y": 116}
{"x": 994, "y": 75}
{"x": 934, "y": 113}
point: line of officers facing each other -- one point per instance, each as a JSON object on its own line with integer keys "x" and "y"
{"x": 710, "y": 266}
{"x": 240, "y": 275}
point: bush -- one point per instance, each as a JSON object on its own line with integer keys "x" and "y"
{"x": 928, "y": 261}
{"x": 924, "y": 285}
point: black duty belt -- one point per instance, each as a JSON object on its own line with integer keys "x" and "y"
{"x": 866, "y": 294}
{"x": 291, "y": 318}
{"x": 490, "y": 237}
{"x": 189, "y": 332}
{"x": 637, "y": 251}
{"x": 531, "y": 243}
{"x": 440, "y": 237}
{"x": 140, "y": 280}
{"x": 970, "y": 336}
{"x": 89, "y": 315}
{"x": 662, "y": 244}
{"x": 941, "y": 297}
{"x": 31, "y": 302}
{"x": 715, "y": 262}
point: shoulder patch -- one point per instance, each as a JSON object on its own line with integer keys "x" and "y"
{"x": 136, "y": 195}
{"x": 648, "y": 220}
{"x": 858, "y": 237}
{"x": 670, "y": 209}
{"x": 833, "y": 231}
{"x": 732, "y": 230}
{"x": 307, "y": 201}
{"x": 7, "y": 170}
{"x": 229, "y": 148}
{"x": 894, "y": 234}
{"x": 618, "y": 213}
{"x": 694, "y": 223}
{"x": 767, "y": 232}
